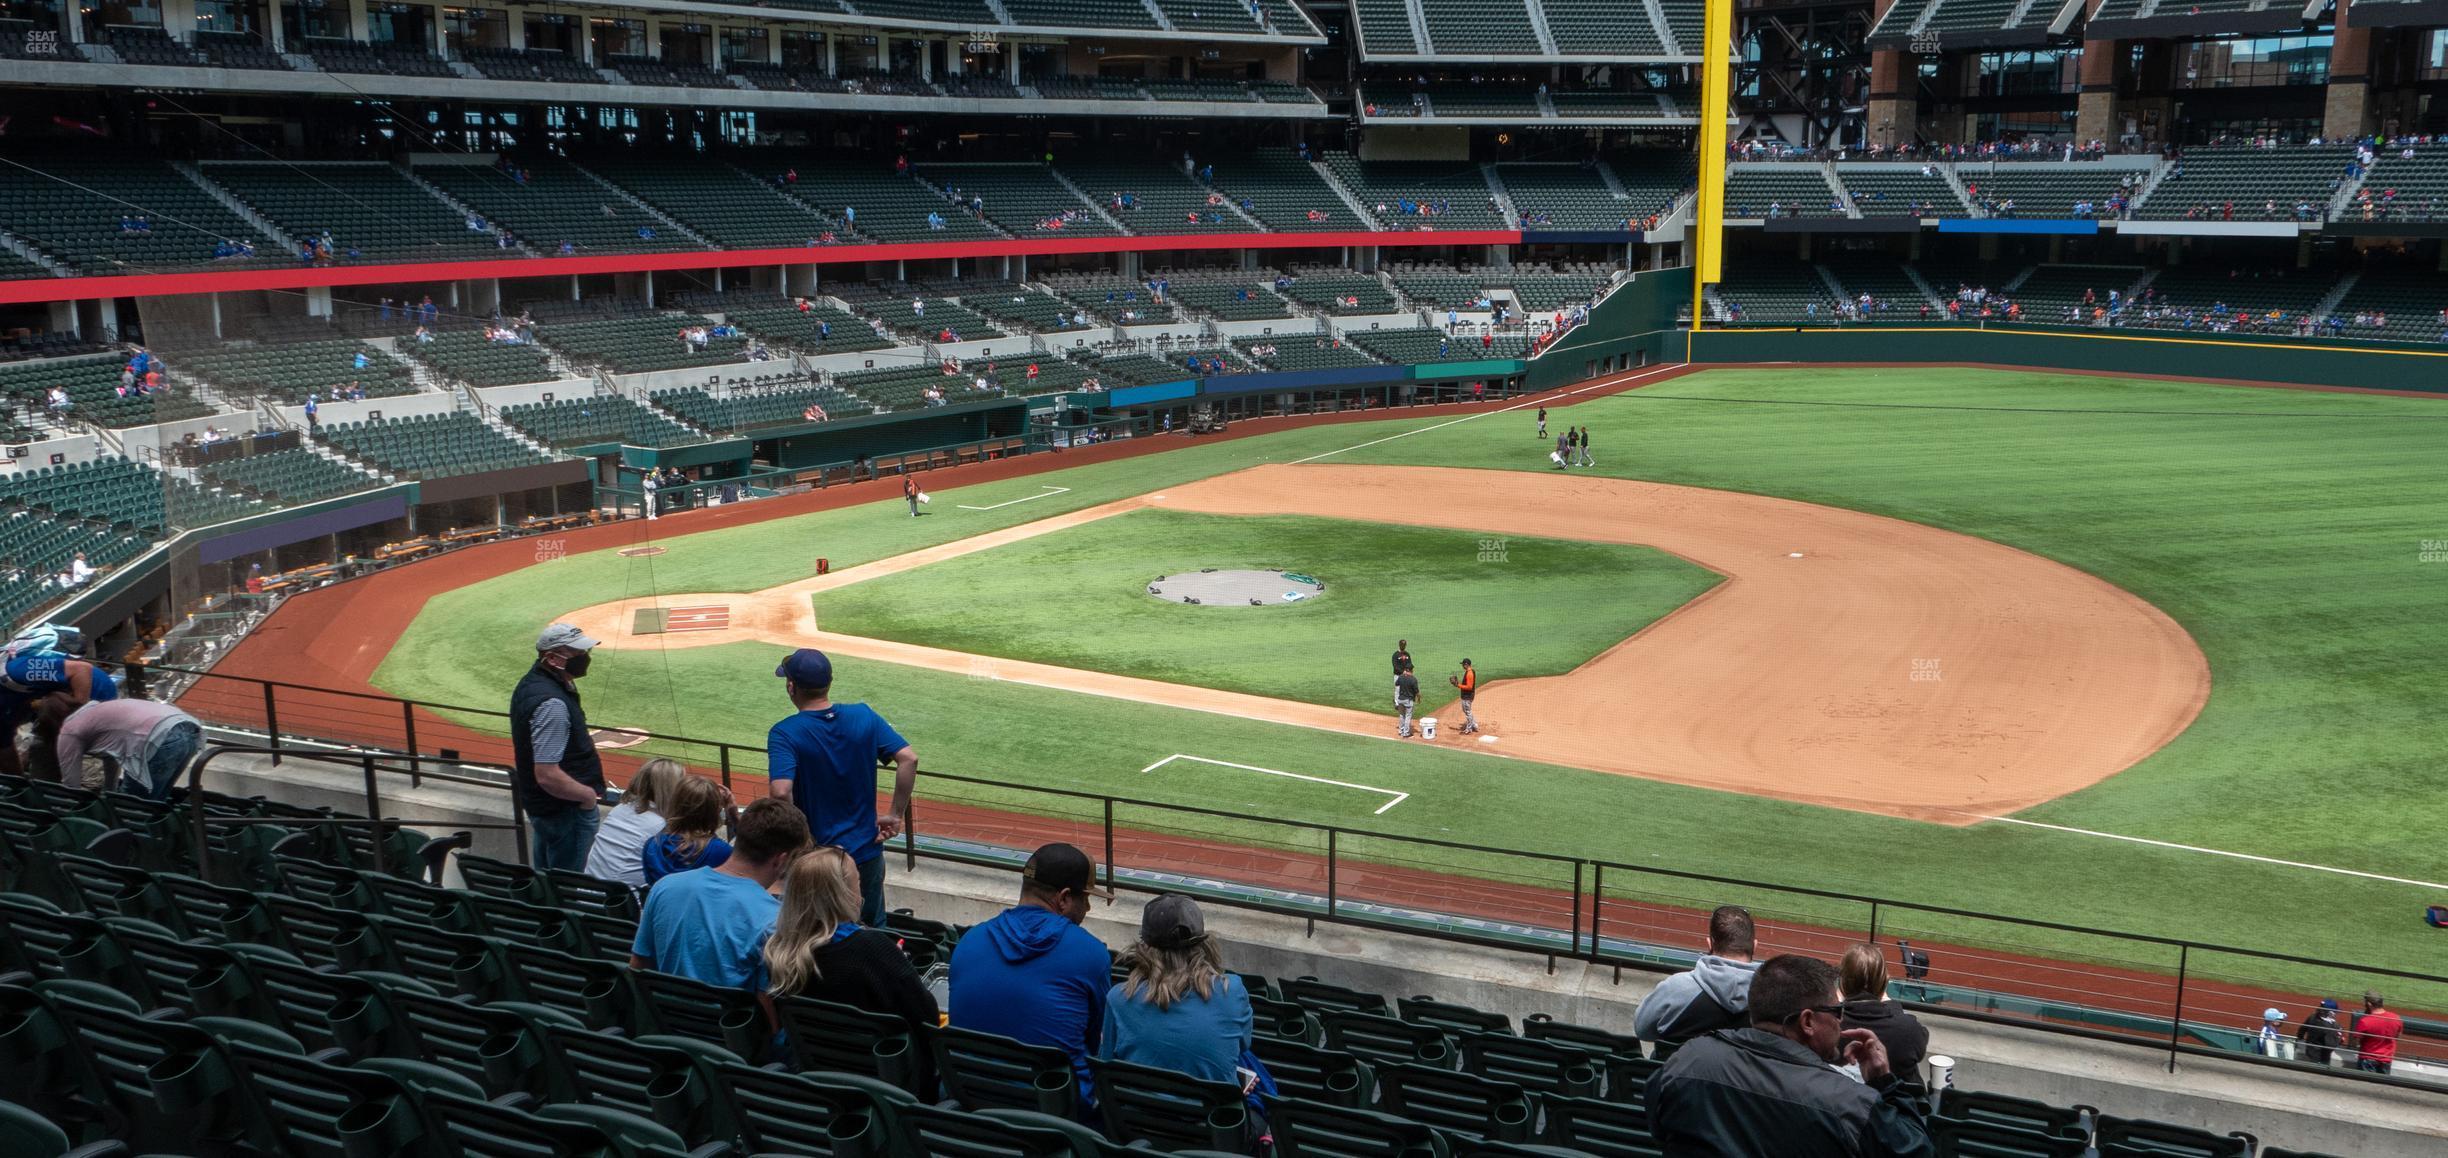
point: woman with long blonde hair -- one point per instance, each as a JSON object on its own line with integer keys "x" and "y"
{"x": 1179, "y": 1009}
{"x": 627, "y": 827}
{"x": 818, "y": 949}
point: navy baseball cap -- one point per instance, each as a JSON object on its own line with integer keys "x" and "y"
{"x": 807, "y": 668}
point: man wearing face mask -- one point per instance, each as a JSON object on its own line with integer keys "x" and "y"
{"x": 555, "y": 770}
{"x": 1772, "y": 1090}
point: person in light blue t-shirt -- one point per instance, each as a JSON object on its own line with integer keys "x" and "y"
{"x": 823, "y": 758}
{"x": 710, "y": 924}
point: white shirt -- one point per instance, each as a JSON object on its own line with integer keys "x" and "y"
{"x": 619, "y": 842}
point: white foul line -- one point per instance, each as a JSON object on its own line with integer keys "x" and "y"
{"x": 2213, "y": 852}
{"x": 1051, "y": 490}
{"x": 1399, "y": 797}
{"x": 1540, "y": 400}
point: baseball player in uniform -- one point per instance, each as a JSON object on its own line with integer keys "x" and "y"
{"x": 1468, "y": 684}
{"x": 1586, "y": 460}
{"x": 1402, "y": 657}
{"x": 1406, "y": 697}
{"x": 1542, "y": 424}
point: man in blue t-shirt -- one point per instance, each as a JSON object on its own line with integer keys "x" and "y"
{"x": 823, "y": 759}
{"x": 42, "y": 683}
{"x": 710, "y": 924}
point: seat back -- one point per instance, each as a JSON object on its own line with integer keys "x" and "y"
{"x": 1548, "y": 1068}
{"x": 449, "y": 962}
{"x": 826, "y": 1035}
{"x": 2143, "y": 1136}
{"x": 1540, "y": 1027}
{"x": 1457, "y": 1103}
{"x": 1321, "y": 996}
{"x": 39, "y": 939}
{"x": 685, "y": 1007}
{"x": 324, "y": 936}
{"x": 315, "y": 1107}
{"x": 1310, "y": 1129}
{"x": 214, "y": 912}
{"x": 777, "y": 1113}
{"x": 985, "y": 1071}
{"x": 1385, "y": 1039}
{"x": 1607, "y": 1129}
{"x": 1451, "y": 1017}
{"x": 947, "y": 1133}
{"x": 1143, "y": 1105}
{"x": 323, "y": 1009}
{"x": 2007, "y": 1110}
{"x": 1272, "y": 1018}
{"x": 591, "y": 989}
{"x": 1958, "y": 1138}
{"x": 579, "y": 892}
{"x": 501, "y": 878}
{"x": 1310, "y": 1073}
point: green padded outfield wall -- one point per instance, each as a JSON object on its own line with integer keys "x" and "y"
{"x": 1634, "y": 324}
{"x": 841, "y": 441}
{"x": 2305, "y": 362}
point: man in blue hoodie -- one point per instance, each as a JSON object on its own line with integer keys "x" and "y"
{"x": 1716, "y": 994}
{"x": 1031, "y": 973}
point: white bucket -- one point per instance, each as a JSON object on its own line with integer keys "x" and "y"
{"x": 1428, "y": 727}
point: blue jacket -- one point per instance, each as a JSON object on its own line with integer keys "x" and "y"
{"x": 1032, "y": 976}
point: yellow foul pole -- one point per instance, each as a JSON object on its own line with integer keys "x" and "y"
{"x": 1716, "y": 105}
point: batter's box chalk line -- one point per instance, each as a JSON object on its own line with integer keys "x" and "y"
{"x": 1398, "y": 797}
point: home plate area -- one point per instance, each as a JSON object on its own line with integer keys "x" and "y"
{"x": 660, "y": 620}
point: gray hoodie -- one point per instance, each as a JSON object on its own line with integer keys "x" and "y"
{"x": 1716, "y": 994}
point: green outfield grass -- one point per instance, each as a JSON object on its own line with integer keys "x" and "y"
{"x": 2282, "y": 528}
{"x": 1539, "y": 607}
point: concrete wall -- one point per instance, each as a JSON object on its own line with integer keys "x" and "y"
{"x": 527, "y": 392}
{"x": 72, "y": 449}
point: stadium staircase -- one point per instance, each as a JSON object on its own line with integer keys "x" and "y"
{"x": 1928, "y": 291}
{"x": 463, "y": 209}
{"x": 1954, "y": 180}
{"x": 1064, "y": 179}
{"x": 1497, "y": 190}
{"x": 2343, "y": 199}
{"x": 1419, "y": 24}
{"x": 666, "y": 219}
{"x": 2337, "y": 293}
{"x": 1835, "y": 287}
{"x": 1157, "y": 13}
{"x": 231, "y": 202}
{"x": 31, "y": 256}
{"x": 1344, "y": 193}
{"x": 1546, "y": 39}
{"x": 1657, "y": 21}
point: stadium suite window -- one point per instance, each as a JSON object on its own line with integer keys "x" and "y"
{"x": 2253, "y": 62}
{"x": 225, "y": 16}
{"x": 2027, "y": 72}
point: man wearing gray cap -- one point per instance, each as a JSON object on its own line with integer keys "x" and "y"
{"x": 554, "y": 768}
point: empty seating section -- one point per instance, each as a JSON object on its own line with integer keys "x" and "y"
{"x": 2206, "y": 180}
{"x": 78, "y": 209}
{"x": 1055, "y": 374}
{"x": 717, "y": 202}
{"x": 470, "y": 357}
{"x": 1683, "y": 22}
{"x": 1231, "y": 301}
{"x": 759, "y": 409}
{"x": 1414, "y": 346}
{"x": 14, "y": 266}
{"x": 1211, "y": 15}
{"x": 1899, "y": 190}
{"x": 1088, "y": 88}
{"x": 1479, "y": 27}
{"x": 430, "y": 446}
{"x": 351, "y": 56}
{"x": 1776, "y": 292}
{"x": 1019, "y": 306}
{"x": 639, "y": 343}
{"x": 649, "y": 70}
{"x": 1341, "y": 292}
{"x": 1282, "y": 93}
{"x": 818, "y": 329}
{"x": 1654, "y": 180}
{"x": 1385, "y": 27}
{"x": 92, "y": 386}
{"x": 240, "y": 50}
{"x": 1601, "y": 27}
{"x": 1442, "y": 195}
{"x": 905, "y": 387}
{"x": 289, "y": 371}
{"x": 531, "y": 64}
{"x": 1900, "y": 18}
{"x": 36, "y": 551}
{"x": 913, "y": 313}
{"x": 1141, "y": 369}
{"x": 887, "y": 207}
{"x": 597, "y": 419}
{"x": 1081, "y": 13}
{"x": 116, "y": 493}
{"x": 1965, "y": 16}
{"x": 2412, "y": 307}
{"x": 295, "y": 475}
{"x": 2289, "y": 292}
{"x": 1302, "y": 352}
{"x": 1155, "y": 197}
{"x": 370, "y": 208}
{"x": 2419, "y": 184}
{"x": 2041, "y": 190}
{"x": 1025, "y": 200}
{"x": 1788, "y": 190}
{"x": 1283, "y": 192}
{"x": 15, "y": 46}
{"x": 148, "y": 45}
{"x": 1196, "y": 90}
{"x": 2045, "y": 295}
{"x": 966, "y": 13}
{"x": 548, "y": 202}
{"x": 1543, "y": 289}
{"x": 1883, "y": 279}
{"x": 1115, "y": 299}
{"x": 1565, "y": 197}
{"x": 1630, "y": 105}
{"x": 1436, "y": 285}
{"x": 1485, "y": 100}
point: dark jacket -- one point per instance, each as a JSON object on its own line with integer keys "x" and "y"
{"x": 1906, "y": 1039}
{"x": 578, "y": 759}
{"x": 2320, "y": 1034}
{"x": 1748, "y": 1093}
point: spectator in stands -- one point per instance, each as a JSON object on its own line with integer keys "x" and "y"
{"x": 823, "y": 758}
{"x": 146, "y": 743}
{"x": 57, "y": 402}
{"x": 2376, "y": 1031}
{"x": 1178, "y": 1009}
{"x": 820, "y": 950}
{"x": 711, "y": 924}
{"x": 691, "y": 817}
{"x": 2320, "y": 1035}
{"x": 1772, "y": 1088}
{"x": 43, "y": 681}
{"x": 619, "y": 841}
{"x": 554, "y": 768}
{"x": 1867, "y": 1006}
{"x": 1031, "y": 973}
{"x": 1714, "y": 994}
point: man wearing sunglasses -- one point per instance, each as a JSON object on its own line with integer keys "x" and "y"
{"x": 1773, "y": 1090}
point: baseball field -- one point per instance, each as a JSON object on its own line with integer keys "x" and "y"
{"x": 2146, "y": 656}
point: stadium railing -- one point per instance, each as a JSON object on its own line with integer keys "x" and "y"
{"x": 2187, "y": 997}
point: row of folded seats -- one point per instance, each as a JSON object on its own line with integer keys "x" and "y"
{"x": 317, "y": 994}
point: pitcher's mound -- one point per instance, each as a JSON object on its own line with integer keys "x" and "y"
{"x": 1237, "y": 588}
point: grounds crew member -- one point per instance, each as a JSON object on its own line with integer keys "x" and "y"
{"x": 1468, "y": 684}
{"x": 554, "y": 768}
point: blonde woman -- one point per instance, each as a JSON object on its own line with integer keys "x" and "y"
{"x": 626, "y": 828}
{"x": 818, "y": 948}
{"x": 1179, "y": 1009}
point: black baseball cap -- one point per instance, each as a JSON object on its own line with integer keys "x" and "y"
{"x": 1172, "y": 921}
{"x": 1059, "y": 866}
